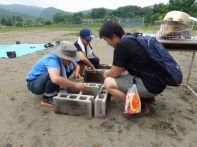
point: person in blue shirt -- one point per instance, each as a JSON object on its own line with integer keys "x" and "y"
{"x": 52, "y": 71}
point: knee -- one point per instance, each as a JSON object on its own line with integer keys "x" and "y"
{"x": 108, "y": 83}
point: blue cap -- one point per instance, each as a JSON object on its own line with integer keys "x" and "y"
{"x": 86, "y": 33}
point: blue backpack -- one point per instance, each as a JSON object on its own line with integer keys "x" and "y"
{"x": 163, "y": 63}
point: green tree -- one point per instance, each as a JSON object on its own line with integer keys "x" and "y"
{"x": 40, "y": 21}
{"x": 188, "y": 6}
{"x": 147, "y": 11}
{"x": 19, "y": 24}
{"x": 28, "y": 23}
{"x": 129, "y": 12}
{"x": 7, "y": 21}
{"x": 194, "y": 10}
{"x": 58, "y": 18}
{"x": 157, "y": 13}
{"x": 111, "y": 17}
{"x": 115, "y": 13}
{"x": 48, "y": 22}
{"x": 98, "y": 13}
{"x": 19, "y": 18}
{"x": 67, "y": 18}
{"x": 77, "y": 18}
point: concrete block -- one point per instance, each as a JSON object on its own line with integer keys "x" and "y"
{"x": 100, "y": 104}
{"x": 91, "y": 89}
{"x": 94, "y": 100}
{"x": 74, "y": 104}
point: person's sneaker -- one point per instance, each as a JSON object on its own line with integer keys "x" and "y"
{"x": 47, "y": 101}
{"x": 150, "y": 100}
{"x": 145, "y": 110}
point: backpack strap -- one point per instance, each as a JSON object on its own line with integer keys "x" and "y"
{"x": 136, "y": 34}
{"x": 134, "y": 80}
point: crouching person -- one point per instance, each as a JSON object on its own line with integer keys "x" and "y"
{"x": 85, "y": 50}
{"x": 52, "y": 71}
{"x": 129, "y": 62}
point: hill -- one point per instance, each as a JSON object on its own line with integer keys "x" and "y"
{"x": 28, "y": 11}
{"x": 49, "y": 12}
{"x": 5, "y": 13}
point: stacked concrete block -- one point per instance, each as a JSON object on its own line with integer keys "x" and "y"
{"x": 101, "y": 103}
{"x": 92, "y": 101}
{"x": 74, "y": 104}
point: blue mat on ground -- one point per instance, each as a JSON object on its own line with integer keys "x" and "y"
{"x": 20, "y": 49}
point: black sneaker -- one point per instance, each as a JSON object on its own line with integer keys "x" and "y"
{"x": 47, "y": 101}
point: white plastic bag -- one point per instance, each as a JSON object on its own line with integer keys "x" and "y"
{"x": 132, "y": 102}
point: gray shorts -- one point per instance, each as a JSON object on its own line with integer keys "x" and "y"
{"x": 124, "y": 82}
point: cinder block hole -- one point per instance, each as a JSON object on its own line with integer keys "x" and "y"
{"x": 72, "y": 96}
{"x": 99, "y": 70}
{"x": 94, "y": 91}
{"x": 63, "y": 95}
{"x": 89, "y": 92}
{"x": 103, "y": 92}
{"x": 74, "y": 91}
{"x": 103, "y": 88}
{"x": 92, "y": 84}
{"x": 101, "y": 96}
{"x": 82, "y": 98}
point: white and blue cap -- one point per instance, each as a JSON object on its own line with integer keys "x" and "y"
{"x": 86, "y": 33}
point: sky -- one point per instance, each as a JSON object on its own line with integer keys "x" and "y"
{"x": 80, "y": 5}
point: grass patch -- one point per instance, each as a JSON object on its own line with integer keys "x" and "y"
{"x": 74, "y": 27}
{"x": 69, "y": 27}
{"x": 95, "y": 27}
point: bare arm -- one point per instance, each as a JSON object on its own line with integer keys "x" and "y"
{"x": 114, "y": 72}
{"x": 76, "y": 74}
{"x": 86, "y": 61}
{"x": 54, "y": 74}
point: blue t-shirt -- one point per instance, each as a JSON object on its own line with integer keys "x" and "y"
{"x": 51, "y": 60}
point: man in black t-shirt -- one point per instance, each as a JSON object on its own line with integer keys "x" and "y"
{"x": 86, "y": 54}
{"x": 130, "y": 62}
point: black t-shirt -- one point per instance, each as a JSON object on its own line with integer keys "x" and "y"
{"x": 131, "y": 56}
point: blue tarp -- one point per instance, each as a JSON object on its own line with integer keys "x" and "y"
{"x": 20, "y": 49}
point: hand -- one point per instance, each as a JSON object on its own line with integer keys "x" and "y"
{"x": 80, "y": 86}
{"x": 77, "y": 76}
{"x": 124, "y": 72}
{"x": 105, "y": 73}
{"x": 93, "y": 69}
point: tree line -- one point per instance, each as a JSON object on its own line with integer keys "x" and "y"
{"x": 18, "y": 21}
{"x": 149, "y": 14}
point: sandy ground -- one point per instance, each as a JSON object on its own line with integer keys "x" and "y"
{"x": 172, "y": 121}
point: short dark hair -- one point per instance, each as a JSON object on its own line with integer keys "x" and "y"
{"x": 110, "y": 28}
